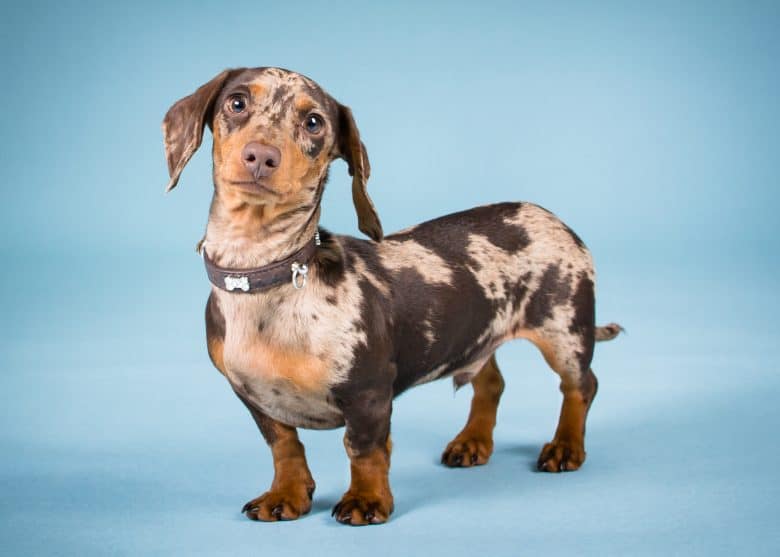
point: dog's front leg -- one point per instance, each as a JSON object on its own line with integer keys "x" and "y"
{"x": 367, "y": 440}
{"x": 293, "y": 486}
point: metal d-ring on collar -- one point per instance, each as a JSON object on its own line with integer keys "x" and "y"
{"x": 262, "y": 278}
{"x": 299, "y": 271}
{"x": 302, "y": 270}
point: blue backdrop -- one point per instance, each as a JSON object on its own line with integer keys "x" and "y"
{"x": 652, "y": 130}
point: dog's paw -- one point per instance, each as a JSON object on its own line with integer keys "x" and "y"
{"x": 285, "y": 503}
{"x": 465, "y": 451}
{"x": 358, "y": 509}
{"x": 561, "y": 456}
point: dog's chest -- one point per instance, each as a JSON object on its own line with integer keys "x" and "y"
{"x": 278, "y": 356}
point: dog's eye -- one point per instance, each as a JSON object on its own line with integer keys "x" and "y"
{"x": 236, "y": 103}
{"x": 313, "y": 123}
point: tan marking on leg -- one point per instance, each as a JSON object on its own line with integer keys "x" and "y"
{"x": 566, "y": 451}
{"x": 474, "y": 444}
{"x": 368, "y": 499}
{"x": 293, "y": 486}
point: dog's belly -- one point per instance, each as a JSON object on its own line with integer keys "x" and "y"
{"x": 459, "y": 369}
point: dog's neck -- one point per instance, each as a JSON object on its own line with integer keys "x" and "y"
{"x": 241, "y": 235}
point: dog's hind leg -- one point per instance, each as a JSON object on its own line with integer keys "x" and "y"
{"x": 474, "y": 444}
{"x": 569, "y": 355}
{"x": 566, "y": 451}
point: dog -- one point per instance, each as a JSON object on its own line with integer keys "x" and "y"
{"x": 317, "y": 330}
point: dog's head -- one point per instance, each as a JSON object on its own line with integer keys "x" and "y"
{"x": 275, "y": 134}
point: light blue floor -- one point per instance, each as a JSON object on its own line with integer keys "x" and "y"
{"x": 119, "y": 438}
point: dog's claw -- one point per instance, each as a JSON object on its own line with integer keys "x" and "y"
{"x": 560, "y": 457}
{"x": 360, "y": 512}
{"x": 279, "y": 505}
{"x": 467, "y": 451}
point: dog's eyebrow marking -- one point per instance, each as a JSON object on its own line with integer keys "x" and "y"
{"x": 396, "y": 255}
{"x": 304, "y": 103}
{"x": 258, "y": 90}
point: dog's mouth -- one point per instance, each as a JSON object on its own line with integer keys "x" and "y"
{"x": 254, "y": 187}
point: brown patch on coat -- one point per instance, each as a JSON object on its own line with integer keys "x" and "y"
{"x": 330, "y": 263}
{"x": 583, "y": 322}
{"x": 553, "y": 290}
{"x": 293, "y": 486}
{"x": 368, "y": 499}
{"x": 474, "y": 444}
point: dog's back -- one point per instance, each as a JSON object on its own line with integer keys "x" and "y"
{"x": 460, "y": 285}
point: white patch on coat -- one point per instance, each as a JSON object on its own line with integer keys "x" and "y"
{"x": 428, "y": 332}
{"x": 361, "y": 270}
{"x": 397, "y": 255}
{"x": 496, "y": 269}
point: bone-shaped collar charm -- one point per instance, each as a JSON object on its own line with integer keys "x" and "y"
{"x": 241, "y": 283}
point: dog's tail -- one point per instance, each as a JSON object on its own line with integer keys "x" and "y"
{"x": 608, "y": 332}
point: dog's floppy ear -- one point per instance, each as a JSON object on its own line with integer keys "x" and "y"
{"x": 352, "y": 150}
{"x": 183, "y": 125}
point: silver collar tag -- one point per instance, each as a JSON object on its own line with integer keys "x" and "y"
{"x": 242, "y": 283}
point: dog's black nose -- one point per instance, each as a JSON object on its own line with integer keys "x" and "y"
{"x": 260, "y": 159}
